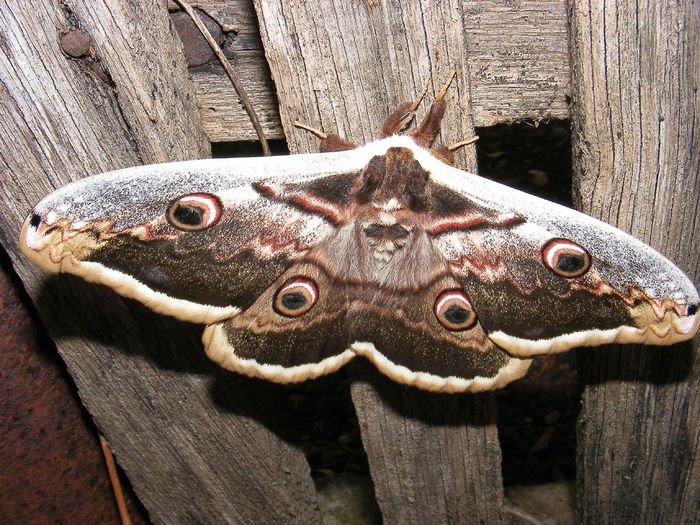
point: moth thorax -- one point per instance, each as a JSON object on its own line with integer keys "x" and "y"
{"x": 394, "y": 181}
{"x": 385, "y": 239}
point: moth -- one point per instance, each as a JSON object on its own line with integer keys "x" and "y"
{"x": 297, "y": 264}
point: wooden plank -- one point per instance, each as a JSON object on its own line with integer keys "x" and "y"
{"x": 518, "y": 60}
{"x": 522, "y": 74}
{"x": 200, "y": 445}
{"x": 435, "y": 458}
{"x": 344, "y": 68}
{"x": 223, "y": 117}
{"x": 636, "y": 135}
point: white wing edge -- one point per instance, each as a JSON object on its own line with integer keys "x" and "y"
{"x": 42, "y": 254}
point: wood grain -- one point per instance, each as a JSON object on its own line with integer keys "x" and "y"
{"x": 636, "y": 132}
{"x": 518, "y": 60}
{"x": 223, "y": 117}
{"x": 433, "y": 459}
{"x": 199, "y": 445}
{"x": 344, "y": 68}
{"x": 516, "y": 54}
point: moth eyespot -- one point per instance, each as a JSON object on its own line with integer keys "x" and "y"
{"x": 295, "y": 297}
{"x": 566, "y": 258}
{"x": 454, "y": 311}
{"x": 193, "y": 212}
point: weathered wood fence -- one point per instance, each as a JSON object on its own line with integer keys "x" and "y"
{"x": 201, "y": 445}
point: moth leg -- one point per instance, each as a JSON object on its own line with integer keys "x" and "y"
{"x": 462, "y": 143}
{"x": 441, "y": 95}
{"x": 333, "y": 142}
{"x": 330, "y": 142}
{"x": 446, "y": 153}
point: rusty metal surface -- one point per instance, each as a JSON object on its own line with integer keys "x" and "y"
{"x": 196, "y": 48}
{"x": 51, "y": 467}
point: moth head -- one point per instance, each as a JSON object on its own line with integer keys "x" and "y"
{"x": 295, "y": 297}
{"x": 566, "y": 258}
{"x": 395, "y": 181}
{"x": 194, "y": 212}
{"x": 454, "y": 311}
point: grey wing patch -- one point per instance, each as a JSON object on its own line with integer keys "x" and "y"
{"x": 118, "y": 229}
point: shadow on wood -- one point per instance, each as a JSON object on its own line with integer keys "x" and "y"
{"x": 172, "y": 345}
{"x": 657, "y": 365}
{"x": 434, "y": 458}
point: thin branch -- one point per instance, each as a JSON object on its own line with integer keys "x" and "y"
{"x": 522, "y": 514}
{"x": 116, "y": 484}
{"x": 230, "y": 72}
